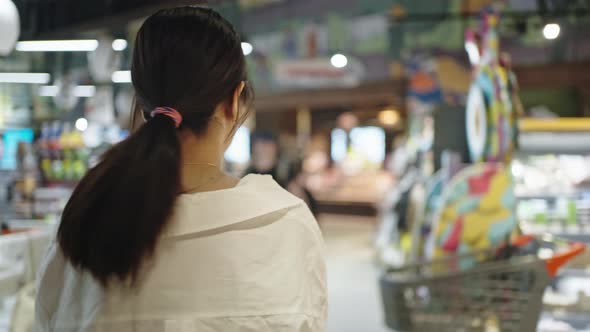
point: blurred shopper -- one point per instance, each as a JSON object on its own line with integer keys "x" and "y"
{"x": 156, "y": 237}
{"x": 266, "y": 158}
{"x": 297, "y": 185}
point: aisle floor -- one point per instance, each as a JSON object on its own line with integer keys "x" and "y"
{"x": 353, "y": 293}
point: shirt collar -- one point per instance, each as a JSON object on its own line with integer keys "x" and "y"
{"x": 254, "y": 196}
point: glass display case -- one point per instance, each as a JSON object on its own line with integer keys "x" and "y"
{"x": 552, "y": 185}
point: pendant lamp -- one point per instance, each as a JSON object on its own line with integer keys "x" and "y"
{"x": 9, "y": 25}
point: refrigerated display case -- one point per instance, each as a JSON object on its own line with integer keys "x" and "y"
{"x": 552, "y": 186}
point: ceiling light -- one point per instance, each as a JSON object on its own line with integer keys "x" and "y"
{"x": 48, "y": 90}
{"x": 81, "y": 124}
{"x": 121, "y": 76}
{"x": 81, "y": 45}
{"x": 84, "y": 91}
{"x": 247, "y": 48}
{"x": 339, "y": 61}
{"x": 9, "y": 25}
{"x": 32, "y": 78}
{"x": 119, "y": 44}
{"x": 389, "y": 117}
{"x": 551, "y": 31}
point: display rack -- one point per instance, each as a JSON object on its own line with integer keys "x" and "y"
{"x": 556, "y": 150}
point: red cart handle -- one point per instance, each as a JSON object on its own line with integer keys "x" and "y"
{"x": 554, "y": 263}
{"x": 558, "y": 260}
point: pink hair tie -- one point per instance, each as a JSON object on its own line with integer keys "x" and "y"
{"x": 169, "y": 112}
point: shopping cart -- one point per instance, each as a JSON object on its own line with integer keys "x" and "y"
{"x": 502, "y": 292}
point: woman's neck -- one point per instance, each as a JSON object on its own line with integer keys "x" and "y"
{"x": 201, "y": 166}
{"x": 205, "y": 148}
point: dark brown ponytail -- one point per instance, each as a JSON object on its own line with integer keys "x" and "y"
{"x": 187, "y": 58}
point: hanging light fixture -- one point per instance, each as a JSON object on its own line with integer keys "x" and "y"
{"x": 551, "y": 31}
{"x": 119, "y": 45}
{"x": 389, "y": 117}
{"x": 247, "y": 48}
{"x": 25, "y": 78}
{"x": 74, "y": 45}
{"x": 339, "y": 60}
{"x": 121, "y": 76}
{"x": 9, "y": 25}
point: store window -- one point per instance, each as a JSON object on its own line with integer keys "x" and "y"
{"x": 361, "y": 148}
{"x": 339, "y": 142}
{"x": 368, "y": 143}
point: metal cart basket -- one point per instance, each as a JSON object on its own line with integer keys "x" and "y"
{"x": 500, "y": 293}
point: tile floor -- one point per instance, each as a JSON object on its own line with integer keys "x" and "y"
{"x": 353, "y": 292}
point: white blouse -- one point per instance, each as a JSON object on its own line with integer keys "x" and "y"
{"x": 249, "y": 258}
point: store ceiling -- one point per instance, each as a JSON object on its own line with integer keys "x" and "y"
{"x": 58, "y": 18}
{"x": 62, "y": 18}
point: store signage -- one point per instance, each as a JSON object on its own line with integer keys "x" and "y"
{"x": 9, "y": 25}
{"x": 316, "y": 73}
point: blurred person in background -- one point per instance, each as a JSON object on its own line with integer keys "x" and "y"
{"x": 266, "y": 158}
{"x": 156, "y": 237}
{"x": 297, "y": 185}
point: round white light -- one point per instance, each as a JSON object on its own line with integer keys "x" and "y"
{"x": 551, "y": 31}
{"x": 81, "y": 124}
{"x": 339, "y": 61}
{"x": 388, "y": 117}
{"x": 247, "y": 48}
{"x": 119, "y": 44}
{"x": 9, "y": 25}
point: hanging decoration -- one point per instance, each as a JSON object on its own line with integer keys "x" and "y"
{"x": 476, "y": 123}
{"x": 477, "y": 205}
{"x": 491, "y": 115}
{"x": 476, "y": 211}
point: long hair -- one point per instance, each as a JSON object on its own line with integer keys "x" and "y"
{"x": 188, "y": 58}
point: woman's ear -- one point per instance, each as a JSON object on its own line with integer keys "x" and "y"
{"x": 235, "y": 102}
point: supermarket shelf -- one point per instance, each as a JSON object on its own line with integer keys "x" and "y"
{"x": 548, "y": 196}
{"x": 584, "y": 237}
{"x": 25, "y": 224}
{"x": 554, "y": 142}
{"x": 570, "y": 233}
{"x": 578, "y": 320}
{"x": 554, "y": 125}
{"x": 569, "y": 272}
{"x": 576, "y": 237}
{"x": 347, "y": 208}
